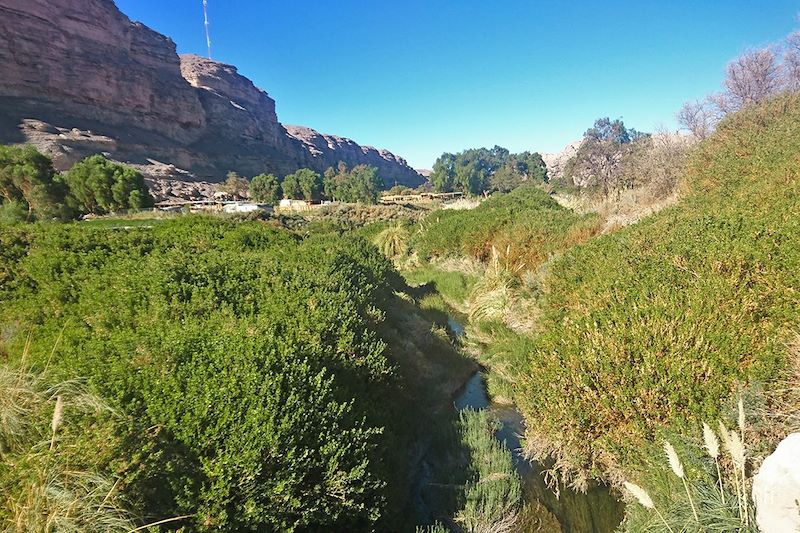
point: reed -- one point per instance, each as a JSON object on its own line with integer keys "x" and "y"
{"x": 677, "y": 468}
{"x": 646, "y": 501}
{"x": 712, "y": 447}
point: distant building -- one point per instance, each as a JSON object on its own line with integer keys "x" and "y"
{"x": 246, "y": 207}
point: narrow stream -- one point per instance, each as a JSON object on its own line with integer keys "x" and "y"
{"x": 596, "y": 511}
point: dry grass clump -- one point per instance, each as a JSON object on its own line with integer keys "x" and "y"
{"x": 463, "y": 204}
{"x": 496, "y": 291}
{"x": 393, "y": 242}
{"x": 44, "y": 491}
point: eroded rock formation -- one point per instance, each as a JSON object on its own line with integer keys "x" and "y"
{"x": 79, "y": 78}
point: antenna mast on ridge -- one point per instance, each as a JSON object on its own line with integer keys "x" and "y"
{"x": 208, "y": 35}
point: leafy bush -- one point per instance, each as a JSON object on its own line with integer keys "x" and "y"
{"x": 249, "y": 366}
{"x": 99, "y": 186}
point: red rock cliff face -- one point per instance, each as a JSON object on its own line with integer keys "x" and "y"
{"x": 327, "y": 150}
{"x": 77, "y": 77}
{"x": 85, "y": 58}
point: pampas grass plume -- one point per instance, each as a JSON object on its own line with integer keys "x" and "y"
{"x": 737, "y": 449}
{"x": 58, "y": 414}
{"x": 711, "y": 441}
{"x": 741, "y": 416}
{"x": 674, "y": 460}
{"x": 640, "y": 494}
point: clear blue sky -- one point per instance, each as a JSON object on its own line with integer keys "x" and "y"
{"x": 420, "y": 77}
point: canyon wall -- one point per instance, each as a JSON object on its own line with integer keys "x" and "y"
{"x": 79, "y": 78}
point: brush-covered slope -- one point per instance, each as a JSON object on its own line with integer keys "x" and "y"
{"x": 657, "y": 324}
{"x": 262, "y": 381}
{"x": 525, "y": 225}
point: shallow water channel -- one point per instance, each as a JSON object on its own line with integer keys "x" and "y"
{"x": 596, "y": 511}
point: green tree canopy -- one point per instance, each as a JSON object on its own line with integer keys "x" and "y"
{"x": 99, "y": 186}
{"x": 482, "y": 169}
{"x": 265, "y": 188}
{"x": 305, "y": 184}
{"x": 27, "y": 179}
{"x": 362, "y": 184}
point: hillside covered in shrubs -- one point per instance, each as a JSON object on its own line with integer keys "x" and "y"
{"x": 254, "y": 380}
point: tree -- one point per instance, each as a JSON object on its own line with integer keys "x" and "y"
{"x": 235, "y": 186}
{"x": 598, "y": 159}
{"x": 751, "y": 78}
{"x": 791, "y": 62}
{"x": 99, "y": 186}
{"x": 290, "y": 187}
{"x": 265, "y": 188}
{"x": 697, "y": 118}
{"x": 362, "y": 184}
{"x": 482, "y": 169}
{"x": 366, "y": 184}
{"x": 443, "y": 172}
{"x": 27, "y": 179}
{"x": 303, "y": 184}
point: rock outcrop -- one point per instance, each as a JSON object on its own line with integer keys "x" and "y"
{"x": 80, "y": 78}
{"x": 327, "y": 150}
{"x": 776, "y": 488}
{"x": 556, "y": 161}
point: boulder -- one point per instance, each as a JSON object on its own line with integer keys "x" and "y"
{"x": 776, "y": 488}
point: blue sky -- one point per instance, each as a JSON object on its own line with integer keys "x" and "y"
{"x": 421, "y": 77}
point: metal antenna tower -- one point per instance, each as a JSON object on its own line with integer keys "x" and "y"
{"x": 208, "y": 34}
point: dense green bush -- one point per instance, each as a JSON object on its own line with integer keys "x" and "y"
{"x": 99, "y": 186}
{"x": 256, "y": 390}
{"x": 526, "y": 222}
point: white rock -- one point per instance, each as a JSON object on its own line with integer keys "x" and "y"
{"x": 776, "y": 489}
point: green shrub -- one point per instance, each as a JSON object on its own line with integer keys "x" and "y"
{"x": 527, "y": 222}
{"x": 13, "y": 212}
{"x": 657, "y": 324}
{"x": 99, "y": 186}
{"x": 247, "y": 363}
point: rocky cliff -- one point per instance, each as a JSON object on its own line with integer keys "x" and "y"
{"x": 556, "y": 161}
{"x": 78, "y": 78}
{"x": 327, "y": 150}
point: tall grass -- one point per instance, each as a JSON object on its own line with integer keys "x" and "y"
{"x": 393, "y": 241}
{"x": 715, "y": 492}
{"x": 45, "y": 489}
{"x": 492, "y": 497}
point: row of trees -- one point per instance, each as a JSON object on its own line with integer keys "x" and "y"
{"x": 30, "y": 187}
{"x": 482, "y": 170}
{"x": 361, "y": 184}
{"x": 751, "y": 78}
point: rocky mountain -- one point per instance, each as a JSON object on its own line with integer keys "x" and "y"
{"x": 556, "y": 161}
{"x": 80, "y": 78}
{"x": 330, "y": 149}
